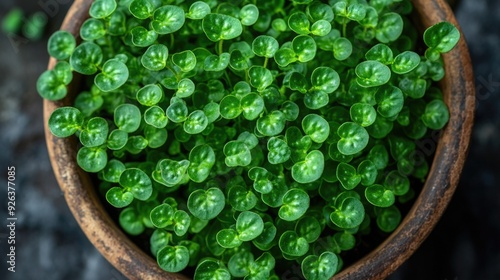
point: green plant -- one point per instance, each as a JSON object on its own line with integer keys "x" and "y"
{"x": 245, "y": 137}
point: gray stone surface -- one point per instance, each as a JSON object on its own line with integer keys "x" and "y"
{"x": 49, "y": 244}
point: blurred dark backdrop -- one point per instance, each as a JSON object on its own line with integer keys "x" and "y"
{"x": 49, "y": 244}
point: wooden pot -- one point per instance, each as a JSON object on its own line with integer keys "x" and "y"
{"x": 451, "y": 151}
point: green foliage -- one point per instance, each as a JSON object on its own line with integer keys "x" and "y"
{"x": 243, "y": 138}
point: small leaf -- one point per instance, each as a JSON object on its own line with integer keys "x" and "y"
{"x": 249, "y": 14}
{"x": 141, "y": 37}
{"x": 299, "y": 23}
{"x": 201, "y": 161}
{"x": 65, "y": 121}
{"x": 320, "y": 267}
{"x": 206, "y": 205}
{"x": 379, "y": 196}
{"x": 92, "y": 159}
{"x": 372, "y": 73}
{"x": 363, "y": 114}
{"x": 141, "y": 9}
{"x": 389, "y": 27}
{"x": 186, "y": 60}
{"x": 114, "y": 74}
{"x": 295, "y": 204}
{"x": 95, "y": 132}
{"x": 155, "y": 57}
{"x": 260, "y": 77}
{"x": 252, "y": 105}
{"x": 316, "y": 127}
{"x": 349, "y": 214}
{"x": 211, "y": 269}
{"x": 304, "y": 48}
{"x": 198, "y": 10}
{"x": 119, "y": 198}
{"x": 168, "y": 19}
{"x": 441, "y": 37}
{"x": 137, "y": 182}
{"x": 325, "y": 79}
{"x": 86, "y": 58}
{"x": 279, "y": 152}
{"x": 405, "y": 62}
{"x": 228, "y": 238}
{"x": 149, "y": 95}
{"x": 436, "y": 114}
{"x": 265, "y": 46}
{"x": 237, "y": 154}
{"x": 310, "y": 169}
{"x": 173, "y": 258}
{"x": 348, "y": 176}
{"x": 127, "y": 117}
{"x": 342, "y": 48}
{"x": 161, "y": 215}
{"x": 155, "y": 116}
{"x": 61, "y": 45}
{"x": 196, "y": 122}
{"x": 172, "y": 171}
{"x": 177, "y": 111}
{"x": 249, "y": 225}
{"x": 221, "y": 27}
{"x": 381, "y": 53}
{"x": 390, "y": 101}
{"x": 102, "y": 8}
{"x": 353, "y": 138}
{"x": 291, "y": 244}
{"x": 271, "y": 124}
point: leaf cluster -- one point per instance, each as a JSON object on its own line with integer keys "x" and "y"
{"x": 245, "y": 136}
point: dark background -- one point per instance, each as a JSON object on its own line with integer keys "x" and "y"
{"x": 49, "y": 244}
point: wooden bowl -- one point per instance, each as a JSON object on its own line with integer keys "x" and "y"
{"x": 451, "y": 151}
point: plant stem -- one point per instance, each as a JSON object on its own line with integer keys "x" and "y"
{"x": 221, "y": 43}
{"x": 266, "y": 60}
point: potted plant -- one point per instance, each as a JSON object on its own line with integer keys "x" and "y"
{"x": 244, "y": 140}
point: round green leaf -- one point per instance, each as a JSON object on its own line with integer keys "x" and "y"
{"x": 149, "y": 95}
{"x": 304, "y": 48}
{"x": 141, "y": 9}
{"x": 102, "y": 8}
{"x": 279, "y": 152}
{"x": 249, "y": 14}
{"x": 381, "y": 53}
{"x": 441, "y": 37}
{"x": 249, "y": 225}
{"x": 61, "y": 45}
{"x": 237, "y": 154}
{"x": 291, "y": 110}
{"x": 240, "y": 263}
{"x": 118, "y": 197}
{"x": 177, "y": 112}
{"x": 95, "y": 132}
{"x": 316, "y": 127}
{"x": 348, "y": 176}
{"x": 182, "y": 221}
{"x": 155, "y": 116}
{"x": 252, "y": 105}
{"x": 206, "y": 204}
{"x": 113, "y": 75}
{"x": 86, "y": 58}
{"x": 265, "y": 240}
{"x": 299, "y": 23}
{"x": 50, "y": 87}
{"x": 390, "y": 101}
{"x": 127, "y": 117}
{"x": 137, "y": 182}
{"x": 285, "y": 56}
{"x": 292, "y": 244}
{"x": 241, "y": 199}
{"x": 186, "y": 60}
{"x": 310, "y": 169}
{"x": 342, "y": 48}
{"x": 349, "y": 214}
{"x": 353, "y": 138}
{"x": 316, "y": 100}
{"x": 168, "y": 19}
{"x": 295, "y": 204}
{"x": 92, "y": 29}
{"x": 271, "y": 124}
{"x": 372, "y": 73}
{"x": 367, "y": 170}
{"x": 217, "y": 62}
{"x": 130, "y": 221}
{"x": 363, "y": 114}
{"x": 228, "y": 238}
{"x": 264, "y": 45}
{"x": 201, "y": 161}
{"x": 161, "y": 215}
{"x": 325, "y": 79}
{"x": 321, "y": 27}
{"x": 155, "y": 57}
{"x": 113, "y": 170}
{"x": 172, "y": 171}
{"x": 436, "y": 114}
{"x": 92, "y": 159}
{"x": 221, "y": 27}
{"x": 209, "y": 269}
{"x": 389, "y": 27}
{"x": 260, "y": 77}
{"x": 196, "y": 122}
{"x": 379, "y": 196}
{"x": 141, "y": 37}
{"x": 65, "y": 121}
{"x": 308, "y": 227}
{"x": 198, "y": 10}
{"x": 320, "y": 267}
{"x": 117, "y": 139}
{"x": 389, "y": 218}
{"x": 405, "y": 62}
{"x": 173, "y": 258}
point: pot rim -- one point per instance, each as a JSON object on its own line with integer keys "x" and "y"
{"x": 452, "y": 147}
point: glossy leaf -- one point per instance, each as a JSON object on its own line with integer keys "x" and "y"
{"x": 310, "y": 169}
{"x": 61, "y": 45}
{"x": 168, "y": 19}
{"x": 221, "y": 27}
{"x": 201, "y": 160}
{"x": 65, "y": 121}
{"x": 127, "y": 117}
{"x": 86, "y": 58}
{"x": 206, "y": 204}
{"x": 349, "y": 214}
{"x": 319, "y": 267}
{"x": 113, "y": 75}
{"x": 295, "y": 204}
{"x": 173, "y": 258}
{"x": 155, "y": 57}
{"x": 372, "y": 73}
{"x": 353, "y": 138}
